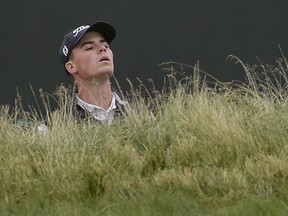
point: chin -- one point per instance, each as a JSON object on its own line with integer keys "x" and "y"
{"x": 104, "y": 74}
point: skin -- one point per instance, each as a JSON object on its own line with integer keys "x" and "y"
{"x": 91, "y": 66}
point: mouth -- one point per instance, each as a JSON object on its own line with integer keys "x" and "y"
{"x": 104, "y": 58}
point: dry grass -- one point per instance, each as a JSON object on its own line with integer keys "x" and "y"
{"x": 210, "y": 150}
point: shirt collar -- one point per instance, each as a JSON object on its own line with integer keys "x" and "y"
{"x": 91, "y": 107}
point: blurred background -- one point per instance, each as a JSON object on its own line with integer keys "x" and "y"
{"x": 148, "y": 34}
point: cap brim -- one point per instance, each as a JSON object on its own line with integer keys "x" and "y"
{"x": 105, "y": 29}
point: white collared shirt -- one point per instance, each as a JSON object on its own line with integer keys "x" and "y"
{"x": 100, "y": 113}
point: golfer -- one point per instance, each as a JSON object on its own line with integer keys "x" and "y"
{"x": 88, "y": 59}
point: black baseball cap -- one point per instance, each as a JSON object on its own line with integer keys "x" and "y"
{"x": 71, "y": 39}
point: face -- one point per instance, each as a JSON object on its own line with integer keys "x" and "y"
{"x": 91, "y": 58}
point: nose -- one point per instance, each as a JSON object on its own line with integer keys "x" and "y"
{"x": 102, "y": 48}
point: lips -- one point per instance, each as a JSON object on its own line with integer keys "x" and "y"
{"x": 104, "y": 58}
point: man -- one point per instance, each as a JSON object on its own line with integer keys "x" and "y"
{"x": 87, "y": 58}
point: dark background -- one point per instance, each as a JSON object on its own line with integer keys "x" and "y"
{"x": 148, "y": 33}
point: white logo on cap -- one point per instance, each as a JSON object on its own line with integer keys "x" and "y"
{"x": 65, "y": 50}
{"x": 77, "y": 30}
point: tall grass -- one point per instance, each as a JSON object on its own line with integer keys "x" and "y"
{"x": 191, "y": 149}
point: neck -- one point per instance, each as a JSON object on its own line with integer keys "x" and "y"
{"x": 97, "y": 93}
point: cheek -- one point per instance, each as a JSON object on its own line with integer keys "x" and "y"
{"x": 112, "y": 59}
{"x": 84, "y": 61}
{"x": 111, "y": 54}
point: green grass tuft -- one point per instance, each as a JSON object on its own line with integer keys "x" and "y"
{"x": 194, "y": 148}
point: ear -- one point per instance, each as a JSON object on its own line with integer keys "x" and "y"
{"x": 70, "y": 67}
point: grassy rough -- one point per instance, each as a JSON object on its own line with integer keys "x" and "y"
{"x": 203, "y": 151}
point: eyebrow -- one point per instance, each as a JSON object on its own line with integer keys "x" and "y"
{"x": 91, "y": 42}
